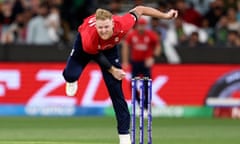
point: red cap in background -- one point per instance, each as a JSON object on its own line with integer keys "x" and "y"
{"x": 142, "y": 21}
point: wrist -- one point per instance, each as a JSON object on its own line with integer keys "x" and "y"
{"x": 111, "y": 69}
{"x": 167, "y": 15}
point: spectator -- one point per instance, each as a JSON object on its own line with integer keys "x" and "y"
{"x": 37, "y": 29}
{"x": 159, "y": 27}
{"x": 221, "y": 31}
{"x": 53, "y": 24}
{"x": 6, "y": 15}
{"x": 233, "y": 39}
{"x": 209, "y": 30}
{"x": 180, "y": 31}
{"x": 188, "y": 13}
{"x": 202, "y": 6}
{"x": 164, "y": 24}
{"x": 6, "y": 18}
{"x": 215, "y": 12}
{"x": 33, "y": 5}
{"x": 230, "y": 4}
{"x": 177, "y": 34}
{"x": 115, "y": 6}
{"x": 233, "y": 24}
{"x": 75, "y": 11}
{"x": 17, "y": 30}
{"x": 193, "y": 41}
{"x": 64, "y": 12}
{"x": 18, "y": 7}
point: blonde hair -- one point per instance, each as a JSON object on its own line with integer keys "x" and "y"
{"x": 102, "y": 14}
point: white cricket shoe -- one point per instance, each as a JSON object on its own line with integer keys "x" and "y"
{"x": 71, "y": 88}
{"x": 124, "y": 139}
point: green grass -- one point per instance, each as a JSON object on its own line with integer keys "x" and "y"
{"x": 102, "y": 130}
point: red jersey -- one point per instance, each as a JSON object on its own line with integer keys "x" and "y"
{"x": 91, "y": 41}
{"x": 142, "y": 45}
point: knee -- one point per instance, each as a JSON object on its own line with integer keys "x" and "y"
{"x": 69, "y": 76}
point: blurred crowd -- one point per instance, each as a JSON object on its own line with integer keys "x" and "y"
{"x": 204, "y": 23}
{"x": 200, "y": 22}
{"x": 43, "y": 22}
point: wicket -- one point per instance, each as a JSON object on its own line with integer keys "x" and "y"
{"x": 140, "y": 84}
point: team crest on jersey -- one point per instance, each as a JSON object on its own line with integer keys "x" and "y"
{"x": 92, "y": 21}
{"x": 116, "y": 39}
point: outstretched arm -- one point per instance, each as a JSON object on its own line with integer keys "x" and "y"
{"x": 149, "y": 11}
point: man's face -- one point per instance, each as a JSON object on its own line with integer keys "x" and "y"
{"x": 104, "y": 28}
{"x": 141, "y": 27}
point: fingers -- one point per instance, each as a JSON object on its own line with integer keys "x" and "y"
{"x": 119, "y": 74}
{"x": 173, "y": 13}
{"x": 122, "y": 75}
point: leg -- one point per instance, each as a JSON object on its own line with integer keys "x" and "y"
{"x": 136, "y": 73}
{"x": 77, "y": 61}
{"x": 146, "y": 73}
{"x": 114, "y": 87}
{"x": 139, "y": 69}
{"x": 73, "y": 70}
{"x": 119, "y": 104}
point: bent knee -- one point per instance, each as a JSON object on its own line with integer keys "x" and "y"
{"x": 70, "y": 76}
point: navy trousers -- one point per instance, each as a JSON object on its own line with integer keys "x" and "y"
{"x": 77, "y": 61}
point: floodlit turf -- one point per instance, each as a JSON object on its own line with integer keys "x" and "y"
{"x": 101, "y": 130}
